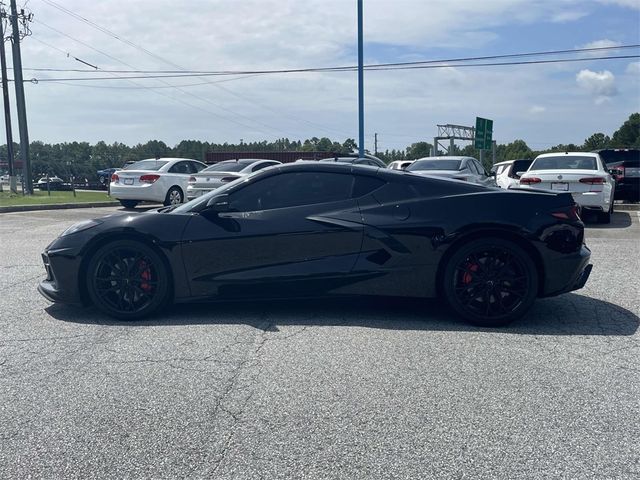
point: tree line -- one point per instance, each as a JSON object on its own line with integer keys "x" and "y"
{"x": 82, "y": 159}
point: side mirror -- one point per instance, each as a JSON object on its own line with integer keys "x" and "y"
{"x": 615, "y": 172}
{"x": 519, "y": 174}
{"x": 219, "y": 203}
{"x": 492, "y": 174}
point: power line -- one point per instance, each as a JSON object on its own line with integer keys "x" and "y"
{"x": 372, "y": 68}
{"x": 349, "y": 68}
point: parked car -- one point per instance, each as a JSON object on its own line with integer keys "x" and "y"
{"x": 314, "y": 228}
{"x": 217, "y": 175}
{"x": 104, "y": 176}
{"x": 162, "y": 180}
{"x": 400, "y": 164}
{"x": 624, "y": 165}
{"x": 55, "y": 184}
{"x": 467, "y": 169}
{"x": 367, "y": 160}
{"x": 506, "y": 172}
{"x": 582, "y": 174}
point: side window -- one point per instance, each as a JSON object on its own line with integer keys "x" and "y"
{"x": 479, "y": 168}
{"x": 260, "y": 166}
{"x": 364, "y": 185}
{"x": 292, "y": 189}
{"x": 196, "y": 167}
{"x": 180, "y": 167}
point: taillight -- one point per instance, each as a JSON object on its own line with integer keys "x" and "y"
{"x": 149, "y": 178}
{"x": 569, "y": 213}
{"x": 115, "y": 177}
{"x": 529, "y": 180}
{"x": 619, "y": 176}
{"x": 192, "y": 179}
{"x": 593, "y": 180}
{"x": 227, "y": 179}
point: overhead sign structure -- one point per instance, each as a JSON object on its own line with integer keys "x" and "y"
{"x": 484, "y": 134}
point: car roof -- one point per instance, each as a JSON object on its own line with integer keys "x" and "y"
{"x": 569, "y": 154}
{"x": 447, "y": 158}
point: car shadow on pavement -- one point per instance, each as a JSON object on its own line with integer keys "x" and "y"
{"x": 569, "y": 314}
{"x": 618, "y": 220}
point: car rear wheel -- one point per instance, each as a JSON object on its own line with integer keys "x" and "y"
{"x": 129, "y": 203}
{"x": 490, "y": 282}
{"x": 174, "y": 196}
{"x": 127, "y": 280}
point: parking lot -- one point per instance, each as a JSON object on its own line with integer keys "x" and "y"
{"x": 377, "y": 388}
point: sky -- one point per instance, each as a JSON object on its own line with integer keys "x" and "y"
{"x": 543, "y": 104}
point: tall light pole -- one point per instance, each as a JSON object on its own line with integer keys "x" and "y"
{"x": 360, "y": 84}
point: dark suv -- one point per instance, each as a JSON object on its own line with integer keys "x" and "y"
{"x": 624, "y": 165}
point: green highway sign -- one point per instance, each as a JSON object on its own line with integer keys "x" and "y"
{"x": 484, "y": 134}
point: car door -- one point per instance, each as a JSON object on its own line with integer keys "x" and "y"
{"x": 293, "y": 231}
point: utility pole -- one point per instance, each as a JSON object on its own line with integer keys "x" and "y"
{"x": 13, "y": 187}
{"x": 360, "y": 84}
{"x": 22, "y": 111}
{"x": 375, "y": 144}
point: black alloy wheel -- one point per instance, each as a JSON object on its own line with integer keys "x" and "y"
{"x": 174, "y": 197}
{"x": 129, "y": 203}
{"x": 490, "y": 282}
{"x": 127, "y": 280}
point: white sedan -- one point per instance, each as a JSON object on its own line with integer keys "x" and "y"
{"x": 582, "y": 174}
{"x": 162, "y": 180}
{"x": 220, "y": 173}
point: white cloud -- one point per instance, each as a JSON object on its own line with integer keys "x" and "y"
{"x": 635, "y": 4}
{"x": 599, "y": 84}
{"x": 604, "y": 43}
{"x": 633, "y": 68}
{"x": 568, "y": 16}
{"x": 536, "y": 109}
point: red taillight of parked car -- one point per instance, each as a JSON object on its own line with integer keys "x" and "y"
{"x": 151, "y": 178}
{"x": 529, "y": 180}
{"x": 593, "y": 180}
{"x": 570, "y": 213}
{"x": 227, "y": 179}
{"x": 620, "y": 175}
{"x": 115, "y": 177}
{"x": 192, "y": 179}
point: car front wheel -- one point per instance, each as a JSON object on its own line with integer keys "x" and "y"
{"x": 129, "y": 203}
{"x": 127, "y": 280}
{"x": 490, "y": 282}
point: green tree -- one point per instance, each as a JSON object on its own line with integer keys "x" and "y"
{"x": 597, "y": 141}
{"x": 418, "y": 150}
{"x": 628, "y": 135}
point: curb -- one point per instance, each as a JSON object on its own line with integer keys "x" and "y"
{"x": 55, "y": 206}
{"x": 628, "y": 207}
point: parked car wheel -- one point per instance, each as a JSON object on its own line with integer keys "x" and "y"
{"x": 174, "y": 196}
{"x": 127, "y": 280}
{"x": 490, "y": 282}
{"x": 129, "y": 203}
{"x": 605, "y": 217}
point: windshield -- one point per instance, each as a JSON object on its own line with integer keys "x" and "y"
{"x": 147, "y": 165}
{"x": 565, "y": 162}
{"x": 434, "y": 165}
{"x": 228, "y": 166}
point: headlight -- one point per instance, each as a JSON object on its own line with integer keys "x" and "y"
{"x": 79, "y": 227}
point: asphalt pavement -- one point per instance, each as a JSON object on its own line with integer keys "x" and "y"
{"x": 348, "y": 389}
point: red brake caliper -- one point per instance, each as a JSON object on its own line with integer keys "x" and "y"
{"x": 468, "y": 277}
{"x": 145, "y": 274}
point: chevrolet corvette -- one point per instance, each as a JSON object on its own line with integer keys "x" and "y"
{"x": 321, "y": 229}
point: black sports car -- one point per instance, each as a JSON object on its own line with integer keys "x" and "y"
{"x": 315, "y": 229}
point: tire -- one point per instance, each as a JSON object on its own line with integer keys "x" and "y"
{"x": 174, "y": 197}
{"x": 129, "y": 203}
{"x": 490, "y": 282}
{"x": 127, "y": 280}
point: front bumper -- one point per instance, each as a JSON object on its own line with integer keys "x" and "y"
{"x": 61, "y": 284}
